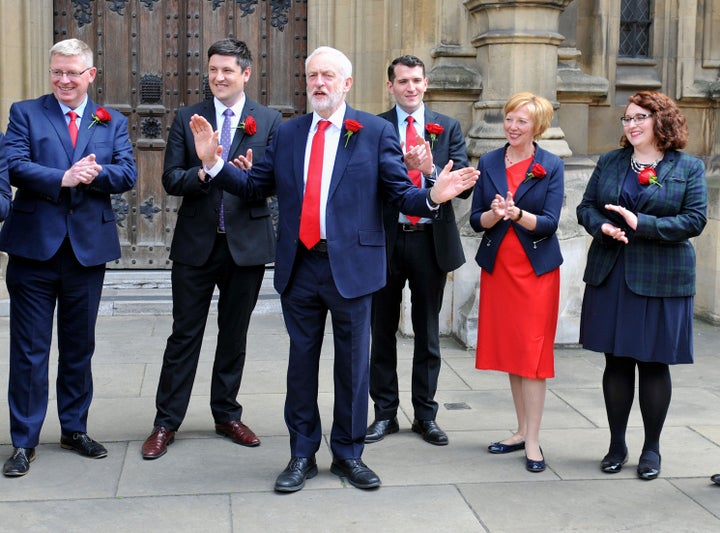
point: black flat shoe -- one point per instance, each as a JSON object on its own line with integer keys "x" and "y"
{"x": 535, "y": 466}
{"x": 611, "y": 465}
{"x": 19, "y": 462}
{"x": 296, "y": 472}
{"x": 356, "y": 472}
{"x": 499, "y": 447}
{"x": 380, "y": 428}
{"x": 715, "y": 479}
{"x": 649, "y": 465}
{"x": 430, "y": 432}
{"x": 84, "y": 445}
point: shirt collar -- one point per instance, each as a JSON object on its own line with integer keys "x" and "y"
{"x": 79, "y": 109}
{"x": 336, "y": 118}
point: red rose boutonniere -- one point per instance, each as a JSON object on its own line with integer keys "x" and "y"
{"x": 249, "y": 126}
{"x": 434, "y": 130}
{"x": 101, "y": 116}
{"x": 537, "y": 171}
{"x": 647, "y": 176}
{"x": 352, "y": 126}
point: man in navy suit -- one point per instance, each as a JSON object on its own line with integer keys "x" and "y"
{"x": 66, "y": 157}
{"x": 421, "y": 252}
{"x": 219, "y": 240}
{"x": 343, "y": 264}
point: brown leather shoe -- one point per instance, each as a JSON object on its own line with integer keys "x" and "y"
{"x": 238, "y": 432}
{"x": 156, "y": 444}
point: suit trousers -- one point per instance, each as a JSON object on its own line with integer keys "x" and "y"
{"x": 412, "y": 261}
{"x": 35, "y": 287}
{"x": 192, "y": 292}
{"x": 305, "y": 302}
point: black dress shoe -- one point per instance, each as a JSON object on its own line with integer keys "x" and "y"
{"x": 19, "y": 463}
{"x": 531, "y": 465}
{"x": 297, "y": 471}
{"x": 612, "y": 465}
{"x": 715, "y": 479}
{"x": 84, "y": 445}
{"x": 649, "y": 465}
{"x": 356, "y": 472}
{"x": 499, "y": 447}
{"x": 430, "y": 432}
{"x": 379, "y": 428}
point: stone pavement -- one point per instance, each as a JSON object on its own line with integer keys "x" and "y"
{"x": 207, "y": 483}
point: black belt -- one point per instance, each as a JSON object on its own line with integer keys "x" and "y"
{"x": 412, "y": 228}
{"x": 321, "y": 248}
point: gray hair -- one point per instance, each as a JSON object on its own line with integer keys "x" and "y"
{"x": 71, "y": 48}
{"x": 344, "y": 64}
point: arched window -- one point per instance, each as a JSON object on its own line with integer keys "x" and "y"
{"x": 635, "y": 21}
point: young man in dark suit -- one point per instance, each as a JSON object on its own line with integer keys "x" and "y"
{"x": 66, "y": 157}
{"x": 420, "y": 252}
{"x": 220, "y": 241}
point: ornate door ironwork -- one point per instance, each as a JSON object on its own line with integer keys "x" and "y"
{"x": 151, "y": 60}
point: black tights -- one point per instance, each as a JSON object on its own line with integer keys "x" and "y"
{"x": 654, "y": 392}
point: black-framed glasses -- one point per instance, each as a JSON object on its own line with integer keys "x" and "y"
{"x": 71, "y": 74}
{"x": 638, "y": 118}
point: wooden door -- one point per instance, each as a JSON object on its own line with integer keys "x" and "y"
{"x": 151, "y": 57}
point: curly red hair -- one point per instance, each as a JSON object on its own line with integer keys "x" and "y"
{"x": 670, "y": 127}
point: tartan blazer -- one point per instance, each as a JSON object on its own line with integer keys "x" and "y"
{"x": 659, "y": 258}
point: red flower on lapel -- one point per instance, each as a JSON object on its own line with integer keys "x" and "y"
{"x": 434, "y": 130}
{"x": 249, "y": 126}
{"x": 648, "y": 176}
{"x": 101, "y": 116}
{"x": 537, "y": 171}
{"x": 352, "y": 126}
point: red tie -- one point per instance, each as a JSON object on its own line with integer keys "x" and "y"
{"x": 72, "y": 127}
{"x": 411, "y": 142}
{"x": 310, "y": 216}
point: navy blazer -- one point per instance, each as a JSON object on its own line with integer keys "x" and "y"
{"x": 365, "y": 172}
{"x": 659, "y": 258}
{"x": 5, "y": 190}
{"x": 250, "y": 232}
{"x": 542, "y": 197}
{"x": 449, "y": 145}
{"x": 43, "y": 213}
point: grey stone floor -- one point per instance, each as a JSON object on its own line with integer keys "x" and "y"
{"x": 206, "y": 483}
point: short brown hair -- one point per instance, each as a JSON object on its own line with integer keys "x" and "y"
{"x": 670, "y": 127}
{"x": 541, "y": 110}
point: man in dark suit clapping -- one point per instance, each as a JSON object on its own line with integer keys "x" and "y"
{"x": 220, "y": 241}
{"x": 331, "y": 169}
{"x": 421, "y": 251}
{"x": 66, "y": 157}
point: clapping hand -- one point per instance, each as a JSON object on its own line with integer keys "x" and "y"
{"x": 450, "y": 183}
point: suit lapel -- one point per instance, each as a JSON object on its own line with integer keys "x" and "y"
{"x": 342, "y": 157}
{"x": 85, "y": 132}
{"x": 662, "y": 173}
{"x": 239, "y": 132}
{"x": 301, "y": 133}
{"x": 57, "y": 120}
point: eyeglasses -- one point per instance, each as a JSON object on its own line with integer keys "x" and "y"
{"x": 637, "y": 119}
{"x": 71, "y": 74}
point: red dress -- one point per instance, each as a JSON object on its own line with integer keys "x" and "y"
{"x": 518, "y": 311}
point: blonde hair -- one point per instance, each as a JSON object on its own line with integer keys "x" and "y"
{"x": 540, "y": 109}
{"x": 71, "y": 48}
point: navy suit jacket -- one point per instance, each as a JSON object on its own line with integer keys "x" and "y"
{"x": 449, "y": 145}
{"x": 43, "y": 213}
{"x": 659, "y": 258}
{"x": 5, "y": 191}
{"x": 366, "y": 171}
{"x": 250, "y": 232}
{"x": 543, "y": 197}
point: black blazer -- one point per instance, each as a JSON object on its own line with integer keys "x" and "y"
{"x": 250, "y": 233}
{"x": 450, "y": 144}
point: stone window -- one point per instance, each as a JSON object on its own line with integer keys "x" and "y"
{"x": 635, "y": 21}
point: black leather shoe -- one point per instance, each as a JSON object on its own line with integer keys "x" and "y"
{"x": 612, "y": 465}
{"x": 356, "y": 472}
{"x": 84, "y": 445}
{"x": 379, "y": 428}
{"x": 532, "y": 465}
{"x": 649, "y": 465}
{"x": 715, "y": 479}
{"x": 19, "y": 463}
{"x": 430, "y": 432}
{"x": 499, "y": 447}
{"x": 297, "y": 471}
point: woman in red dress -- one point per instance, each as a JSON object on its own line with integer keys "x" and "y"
{"x": 516, "y": 204}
